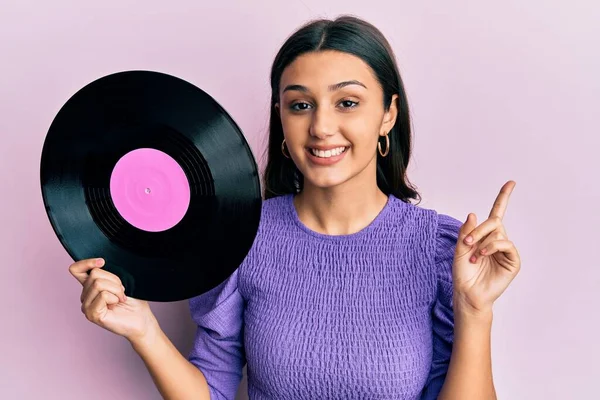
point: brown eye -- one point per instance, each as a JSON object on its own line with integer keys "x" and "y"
{"x": 349, "y": 104}
{"x": 302, "y": 106}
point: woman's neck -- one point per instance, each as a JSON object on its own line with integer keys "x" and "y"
{"x": 340, "y": 210}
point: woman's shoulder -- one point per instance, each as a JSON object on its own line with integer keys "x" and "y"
{"x": 443, "y": 226}
{"x": 275, "y": 204}
{"x": 408, "y": 214}
{"x": 275, "y": 219}
{"x": 274, "y": 209}
{"x": 442, "y": 221}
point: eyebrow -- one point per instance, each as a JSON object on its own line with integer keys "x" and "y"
{"x": 331, "y": 88}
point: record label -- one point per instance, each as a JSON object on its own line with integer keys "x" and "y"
{"x": 150, "y": 190}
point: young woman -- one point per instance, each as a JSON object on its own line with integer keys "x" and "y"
{"x": 349, "y": 291}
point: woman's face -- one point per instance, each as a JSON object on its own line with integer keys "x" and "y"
{"x": 331, "y": 110}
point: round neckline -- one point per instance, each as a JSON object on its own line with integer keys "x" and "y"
{"x": 372, "y": 225}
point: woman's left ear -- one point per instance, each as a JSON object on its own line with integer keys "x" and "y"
{"x": 389, "y": 118}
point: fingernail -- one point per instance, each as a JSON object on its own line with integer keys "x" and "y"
{"x": 99, "y": 262}
{"x": 473, "y": 259}
{"x": 469, "y": 239}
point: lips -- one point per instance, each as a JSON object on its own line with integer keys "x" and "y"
{"x": 332, "y": 152}
{"x": 324, "y": 157}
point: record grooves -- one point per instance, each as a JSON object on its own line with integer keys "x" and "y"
{"x": 151, "y": 173}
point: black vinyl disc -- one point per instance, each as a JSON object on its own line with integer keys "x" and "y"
{"x": 150, "y": 173}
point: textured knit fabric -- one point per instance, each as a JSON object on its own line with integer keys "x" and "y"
{"x": 361, "y": 316}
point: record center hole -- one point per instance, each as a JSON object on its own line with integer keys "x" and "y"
{"x": 147, "y": 190}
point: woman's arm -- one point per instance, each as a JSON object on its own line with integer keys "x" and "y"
{"x": 469, "y": 375}
{"x": 485, "y": 262}
{"x": 174, "y": 376}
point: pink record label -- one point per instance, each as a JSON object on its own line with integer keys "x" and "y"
{"x": 150, "y": 190}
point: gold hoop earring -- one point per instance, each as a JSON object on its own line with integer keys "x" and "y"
{"x": 283, "y": 149}
{"x": 387, "y": 146}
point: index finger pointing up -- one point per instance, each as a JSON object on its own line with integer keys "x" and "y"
{"x": 501, "y": 202}
{"x": 80, "y": 269}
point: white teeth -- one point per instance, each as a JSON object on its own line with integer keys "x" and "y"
{"x": 328, "y": 153}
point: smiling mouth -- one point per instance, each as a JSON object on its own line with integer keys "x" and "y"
{"x": 327, "y": 153}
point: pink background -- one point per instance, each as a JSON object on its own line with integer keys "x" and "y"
{"x": 498, "y": 91}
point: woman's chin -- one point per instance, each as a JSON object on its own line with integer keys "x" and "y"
{"x": 324, "y": 181}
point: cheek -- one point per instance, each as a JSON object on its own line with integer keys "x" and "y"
{"x": 362, "y": 130}
{"x": 363, "y": 139}
{"x": 295, "y": 128}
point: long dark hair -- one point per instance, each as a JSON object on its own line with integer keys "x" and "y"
{"x": 355, "y": 36}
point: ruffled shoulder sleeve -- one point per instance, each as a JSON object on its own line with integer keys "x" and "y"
{"x": 218, "y": 349}
{"x": 442, "y": 313}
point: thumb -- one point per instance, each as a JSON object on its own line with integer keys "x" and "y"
{"x": 470, "y": 223}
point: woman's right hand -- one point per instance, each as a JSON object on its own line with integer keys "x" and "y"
{"x": 104, "y": 303}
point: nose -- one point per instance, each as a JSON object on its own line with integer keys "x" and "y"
{"x": 323, "y": 124}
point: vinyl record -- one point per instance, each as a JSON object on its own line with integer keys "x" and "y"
{"x": 149, "y": 172}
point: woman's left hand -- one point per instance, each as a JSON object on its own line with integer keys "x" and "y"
{"x": 484, "y": 266}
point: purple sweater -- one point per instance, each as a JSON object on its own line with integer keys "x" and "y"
{"x": 361, "y": 316}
